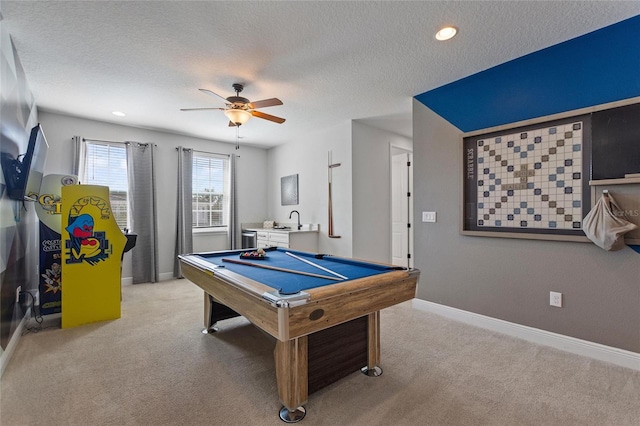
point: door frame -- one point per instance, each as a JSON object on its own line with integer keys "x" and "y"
{"x": 394, "y": 151}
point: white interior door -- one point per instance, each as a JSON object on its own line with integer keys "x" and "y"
{"x": 401, "y": 208}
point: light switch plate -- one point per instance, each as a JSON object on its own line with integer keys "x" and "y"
{"x": 428, "y": 216}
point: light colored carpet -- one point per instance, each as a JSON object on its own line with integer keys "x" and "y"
{"x": 154, "y": 367}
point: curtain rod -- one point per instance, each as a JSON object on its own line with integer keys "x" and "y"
{"x": 204, "y": 152}
{"x": 98, "y": 140}
{"x": 124, "y": 143}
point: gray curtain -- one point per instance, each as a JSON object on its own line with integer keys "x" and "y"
{"x": 234, "y": 226}
{"x": 142, "y": 211}
{"x": 184, "y": 219}
{"x": 79, "y": 150}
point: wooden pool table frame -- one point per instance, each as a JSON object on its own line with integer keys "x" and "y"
{"x": 292, "y": 323}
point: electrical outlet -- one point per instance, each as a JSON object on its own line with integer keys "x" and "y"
{"x": 18, "y": 291}
{"x": 555, "y": 299}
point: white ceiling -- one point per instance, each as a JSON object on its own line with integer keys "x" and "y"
{"x": 327, "y": 61}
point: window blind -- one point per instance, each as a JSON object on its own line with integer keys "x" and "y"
{"x": 210, "y": 183}
{"x": 106, "y": 165}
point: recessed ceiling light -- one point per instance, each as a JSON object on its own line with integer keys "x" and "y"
{"x": 446, "y": 33}
{"x": 118, "y": 113}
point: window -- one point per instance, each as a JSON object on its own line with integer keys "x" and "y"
{"x": 210, "y": 190}
{"x": 106, "y": 164}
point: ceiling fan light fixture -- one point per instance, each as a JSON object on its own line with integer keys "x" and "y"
{"x": 237, "y": 116}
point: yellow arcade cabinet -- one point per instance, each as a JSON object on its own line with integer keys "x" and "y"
{"x": 92, "y": 247}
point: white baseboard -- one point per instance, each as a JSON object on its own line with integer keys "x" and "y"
{"x": 570, "y": 344}
{"x": 164, "y": 276}
{"x": 13, "y": 342}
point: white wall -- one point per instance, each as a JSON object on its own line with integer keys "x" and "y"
{"x": 361, "y": 187}
{"x": 251, "y": 168}
{"x": 372, "y": 191}
{"x": 308, "y": 158}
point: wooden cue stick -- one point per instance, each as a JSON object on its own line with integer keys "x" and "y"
{"x": 330, "y": 178}
{"x": 315, "y": 265}
{"x": 330, "y": 206}
{"x": 330, "y": 214}
{"x": 275, "y": 268}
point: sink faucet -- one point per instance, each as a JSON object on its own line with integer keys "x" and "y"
{"x": 298, "y": 213}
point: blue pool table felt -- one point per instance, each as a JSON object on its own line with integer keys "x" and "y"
{"x": 290, "y": 283}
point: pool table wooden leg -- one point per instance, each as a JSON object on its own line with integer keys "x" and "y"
{"x": 214, "y": 312}
{"x": 373, "y": 355}
{"x": 208, "y": 326}
{"x": 292, "y": 362}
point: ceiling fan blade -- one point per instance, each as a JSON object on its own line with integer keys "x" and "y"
{"x": 265, "y": 103}
{"x": 267, "y": 117}
{"x": 198, "y": 109}
{"x": 209, "y": 92}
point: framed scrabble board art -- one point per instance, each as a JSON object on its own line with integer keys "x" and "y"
{"x": 528, "y": 182}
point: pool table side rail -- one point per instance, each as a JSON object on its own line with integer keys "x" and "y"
{"x": 247, "y": 284}
{"x": 356, "y": 260}
{"x": 239, "y": 297}
{"x": 340, "y": 305}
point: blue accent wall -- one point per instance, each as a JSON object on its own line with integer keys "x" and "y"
{"x": 596, "y": 68}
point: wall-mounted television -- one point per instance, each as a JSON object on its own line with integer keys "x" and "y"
{"x": 23, "y": 175}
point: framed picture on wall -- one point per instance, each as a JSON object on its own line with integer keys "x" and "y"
{"x": 289, "y": 190}
{"x": 528, "y": 182}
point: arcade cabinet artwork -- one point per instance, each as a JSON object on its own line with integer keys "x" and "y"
{"x": 49, "y": 209}
{"x": 92, "y": 247}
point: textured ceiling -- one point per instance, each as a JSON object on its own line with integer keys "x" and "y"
{"x": 594, "y": 69}
{"x": 327, "y": 61}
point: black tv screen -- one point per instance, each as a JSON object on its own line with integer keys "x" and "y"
{"x": 23, "y": 176}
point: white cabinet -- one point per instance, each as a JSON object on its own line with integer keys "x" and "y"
{"x": 262, "y": 239}
{"x": 277, "y": 239}
{"x": 307, "y": 241}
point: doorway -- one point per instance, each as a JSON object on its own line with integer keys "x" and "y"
{"x": 401, "y": 207}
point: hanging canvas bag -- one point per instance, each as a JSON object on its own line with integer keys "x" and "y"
{"x": 605, "y": 225}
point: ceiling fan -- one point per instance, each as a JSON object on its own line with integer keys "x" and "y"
{"x": 239, "y": 110}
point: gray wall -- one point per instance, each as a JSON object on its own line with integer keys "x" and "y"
{"x": 372, "y": 190}
{"x": 252, "y": 165}
{"x": 510, "y": 279}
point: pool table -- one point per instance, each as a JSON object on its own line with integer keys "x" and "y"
{"x": 323, "y": 311}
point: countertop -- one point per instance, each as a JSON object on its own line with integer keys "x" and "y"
{"x": 292, "y": 229}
